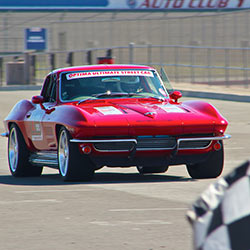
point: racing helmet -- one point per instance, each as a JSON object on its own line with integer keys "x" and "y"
{"x": 130, "y": 84}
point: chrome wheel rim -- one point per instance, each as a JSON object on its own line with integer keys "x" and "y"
{"x": 13, "y": 150}
{"x": 63, "y": 153}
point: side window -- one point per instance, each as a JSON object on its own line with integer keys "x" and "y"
{"x": 53, "y": 89}
{"x": 166, "y": 81}
{"x": 49, "y": 92}
{"x": 46, "y": 86}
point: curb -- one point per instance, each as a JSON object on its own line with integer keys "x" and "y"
{"x": 185, "y": 93}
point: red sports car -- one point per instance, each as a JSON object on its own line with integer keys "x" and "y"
{"x": 87, "y": 117}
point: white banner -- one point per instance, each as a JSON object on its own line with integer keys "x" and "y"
{"x": 135, "y": 5}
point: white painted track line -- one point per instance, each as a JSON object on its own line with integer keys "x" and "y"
{"x": 147, "y": 209}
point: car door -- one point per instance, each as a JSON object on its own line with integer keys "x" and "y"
{"x": 33, "y": 120}
{"x": 47, "y": 122}
{"x": 36, "y": 128}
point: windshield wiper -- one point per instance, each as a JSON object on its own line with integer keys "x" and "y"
{"x": 160, "y": 98}
{"x": 120, "y": 94}
{"x": 87, "y": 99}
{"x": 111, "y": 94}
{"x": 105, "y": 94}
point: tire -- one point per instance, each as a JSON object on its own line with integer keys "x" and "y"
{"x": 18, "y": 155}
{"x": 151, "y": 170}
{"x": 211, "y": 168}
{"x": 73, "y": 166}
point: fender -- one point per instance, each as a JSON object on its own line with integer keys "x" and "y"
{"x": 220, "y": 123}
{"x": 204, "y": 107}
{"x": 78, "y": 122}
{"x": 19, "y": 111}
{"x": 17, "y": 115}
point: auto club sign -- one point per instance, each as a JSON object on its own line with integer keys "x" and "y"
{"x": 123, "y": 5}
{"x": 194, "y": 4}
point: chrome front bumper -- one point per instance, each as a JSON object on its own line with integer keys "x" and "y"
{"x": 128, "y": 145}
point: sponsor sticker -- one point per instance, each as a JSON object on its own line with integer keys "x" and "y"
{"x": 109, "y": 110}
{"x": 87, "y": 74}
{"x": 36, "y": 131}
{"x": 171, "y": 109}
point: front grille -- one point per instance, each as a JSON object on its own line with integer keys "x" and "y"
{"x": 151, "y": 143}
{"x": 193, "y": 144}
{"x": 114, "y": 146}
{"x": 155, "y": 142}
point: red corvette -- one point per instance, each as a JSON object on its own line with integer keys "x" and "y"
{"x": 88, "y": 117}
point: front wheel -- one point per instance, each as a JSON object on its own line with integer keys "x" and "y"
{"x": 18, "y": 155}
{"x": 211, "y": 168}
{"x": 73, "y": 166}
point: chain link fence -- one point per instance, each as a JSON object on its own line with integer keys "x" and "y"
{"x": 184, "y": 64}
{"x": 80, "y": 30}
{"x": 195, "y": 47}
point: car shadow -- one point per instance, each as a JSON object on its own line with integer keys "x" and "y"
{"x": 99, "y": 178}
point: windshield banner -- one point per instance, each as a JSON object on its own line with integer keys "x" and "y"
{"x": 138, "y": 5}
{"x": 77, "y": 75}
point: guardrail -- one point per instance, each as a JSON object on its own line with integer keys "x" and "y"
{"x": 191, "y": 64}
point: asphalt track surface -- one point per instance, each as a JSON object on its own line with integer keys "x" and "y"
{"x": 120, "y": 209}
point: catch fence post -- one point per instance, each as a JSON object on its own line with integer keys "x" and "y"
{"x": 52, "y": 61}
{"x": 70, "y": 59}
{"x": 32, "y": 69}
{"x": 209, "y": 76}
{"x": 149, "y": 54}
{"x": 89, "y": 57}
{"x": 1, "y": 71}
{"x": 245, "y": 51}
{"x": 227, "y": 75}
{"x": 176, "y": 62}
{"x": 27, "y": 68}
{"x": 131, "y": 52}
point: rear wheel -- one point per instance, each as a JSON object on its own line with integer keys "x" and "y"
{"x": 73, "y": 166}
{"x": 151, "y": 170}
{"x": 211, "y": 168}
{"x": 18, "y": 155}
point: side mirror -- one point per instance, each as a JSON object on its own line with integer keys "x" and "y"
{"x": 37, "y": 99}
{"x": 175, "y": 95}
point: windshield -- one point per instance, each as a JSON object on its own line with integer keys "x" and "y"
{"x": 76, "y": 86}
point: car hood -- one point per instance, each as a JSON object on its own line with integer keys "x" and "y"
{"x": 147, "y": 118}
